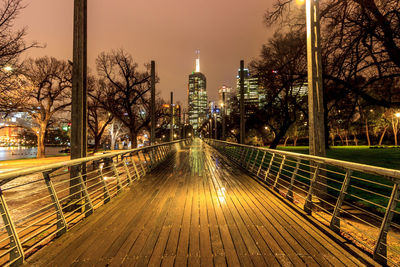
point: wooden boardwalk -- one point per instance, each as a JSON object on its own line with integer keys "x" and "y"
{"x": 195, "y": 209}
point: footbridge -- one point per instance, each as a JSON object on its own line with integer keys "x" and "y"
{"x": 200, "y": 202}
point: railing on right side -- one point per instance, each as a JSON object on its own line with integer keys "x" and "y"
{"x": 358, "y": 201}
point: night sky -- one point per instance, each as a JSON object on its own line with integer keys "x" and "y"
{"x": 167, "y": 31}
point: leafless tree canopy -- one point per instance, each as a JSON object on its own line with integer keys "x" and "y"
{"x": 12, "y": 44}
{"x": 42, "y": 89}
{"x": 124, "y": 87}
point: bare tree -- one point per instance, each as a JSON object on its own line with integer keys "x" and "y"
{"x": 98, "y": 117}
{"x": 12, "y": 44}
{"x": 281, "y": 70}
{"x": 42, "y": 89}
{"x": 124, "y": 90}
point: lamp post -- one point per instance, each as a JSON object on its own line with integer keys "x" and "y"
{"x": 153, "y": 103}
{"x": 79, "y": 92}
{"x": 315, "y": 90}
{"x": 215, "y": 120}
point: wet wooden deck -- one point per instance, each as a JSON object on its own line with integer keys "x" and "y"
{"x": 195, "y": 209}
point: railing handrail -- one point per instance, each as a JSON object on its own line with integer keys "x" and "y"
{"x": 11, "y": 175}
{"x": 390, "y": 174}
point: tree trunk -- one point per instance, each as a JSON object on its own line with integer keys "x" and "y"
{"x": 279, "y": 135}
{"x": 295, "y": 140}
{"x": 383, "y": 134}
{"x": 367, "y": 132}
{"x": 340, "y": 136}
{"x": 286, "y": 139}
{"x": 355, "y": 139}
{"x": 347, "y": 139}
{"x": 40, "y": 141}
{"x": 133, "y": 138}
{"x": 333, "y": 139}
{"x": 96, "y": 144}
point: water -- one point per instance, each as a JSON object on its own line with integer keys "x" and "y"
{"x": 11, "y": 153}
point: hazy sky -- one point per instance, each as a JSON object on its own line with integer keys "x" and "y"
{"x": 167, "y": 31}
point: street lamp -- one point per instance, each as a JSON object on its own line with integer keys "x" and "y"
{"x": 397, "y": 114}
{"x": 315, "y": 90}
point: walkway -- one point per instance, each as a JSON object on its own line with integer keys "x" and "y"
{"x": 195, "y": 210}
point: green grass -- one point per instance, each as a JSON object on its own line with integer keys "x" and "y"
{"x": 385, "y": 157}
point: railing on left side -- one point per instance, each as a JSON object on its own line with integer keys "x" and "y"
{"x": 41, "y": 203}
{"x": 355, "y": 200}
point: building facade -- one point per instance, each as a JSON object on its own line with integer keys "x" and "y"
{"x": 197, "y": 97}
{"x": 254, "y": 96}
{"x": 226, "y": 105}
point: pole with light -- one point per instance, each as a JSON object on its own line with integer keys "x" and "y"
{"x": 315, "y": 90}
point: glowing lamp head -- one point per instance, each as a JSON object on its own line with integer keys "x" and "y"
{"x": 397, "y": 114}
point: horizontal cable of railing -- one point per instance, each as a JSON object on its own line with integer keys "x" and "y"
{"x": 358, "y": 201}
{"x": 40, "y": 203}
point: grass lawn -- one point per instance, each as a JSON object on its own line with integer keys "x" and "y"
{"x": 383, "y": 157}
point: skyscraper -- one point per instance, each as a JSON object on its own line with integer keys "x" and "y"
{"x": 227, "y": 91}
{"x": 197, "y": 96}
{"x": 253, "y": 95}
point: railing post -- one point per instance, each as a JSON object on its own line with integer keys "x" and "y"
{"x": 308, "y": 204}
{"x": 243, "y": 161}
{"x": 16, "y": 251}
{"x": 107, "y": 197}
{"x": 289, "y": 194}
{"x": 261, "y": 164}
{"x": 61, "y": 223}
{"x": 279, "y": 172}
{"x": 141, "y": 163}
{"x": 380, "y": 249}
{"x": 127, "y": 170}
{"x": 249, "y": 160}
{"x": 88, "y": 201}
{"x": 119, "y": 185}
{"x": 255, "y": 160}
{"x": 134, "y": 166}
{"x": 269, "y": 167}
{"x": 243, "y": 150}
{"x": 335, "y": 221}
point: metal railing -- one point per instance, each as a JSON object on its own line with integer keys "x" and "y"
{"x": 358, "y": 201}
{"x": 41, "y": 203}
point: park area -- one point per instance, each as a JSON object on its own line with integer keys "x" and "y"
{"x": 386, "y": 157}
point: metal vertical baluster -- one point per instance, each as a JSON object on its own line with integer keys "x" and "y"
{"x": 119, "y": 184}
{"x": 380, "y": 249}
{"x": 16, "y": 250}
{"x": 88, "y": 201}
{"x": 249, "y": 160}
{"x": 135, "y": 167}
{"x": 127, "y": 170}
{"x": 61, "y": 223}
{"x": 279, "y": 173}
{"x": 261, "y": 164}
{"x": 308, "y": 204}
{"x": 269, "y": 167}
{"x": 141, "y": 163}
{"x": 335, "y": 221}
{"x": 289, "y": 194}
{"x": 243, "y": 162}
{"x": 107, "y": 197}
{"x": 255, "y": 160}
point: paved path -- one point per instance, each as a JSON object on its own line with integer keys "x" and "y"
{"x": 195, "y": 210}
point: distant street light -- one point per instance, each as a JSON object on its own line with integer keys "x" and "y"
{"x": 397, "y": 114}
{"x": 8, "y": 68}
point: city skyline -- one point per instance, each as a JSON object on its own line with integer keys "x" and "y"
{"x": 173, "y": 48}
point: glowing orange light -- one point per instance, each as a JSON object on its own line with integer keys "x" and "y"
{"x": 300, "y": 2}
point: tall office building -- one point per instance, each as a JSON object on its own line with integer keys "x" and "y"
{"x": 227, "y": 91}
{"x": 197, "y": 96}
{"x": 253, "y": 93}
